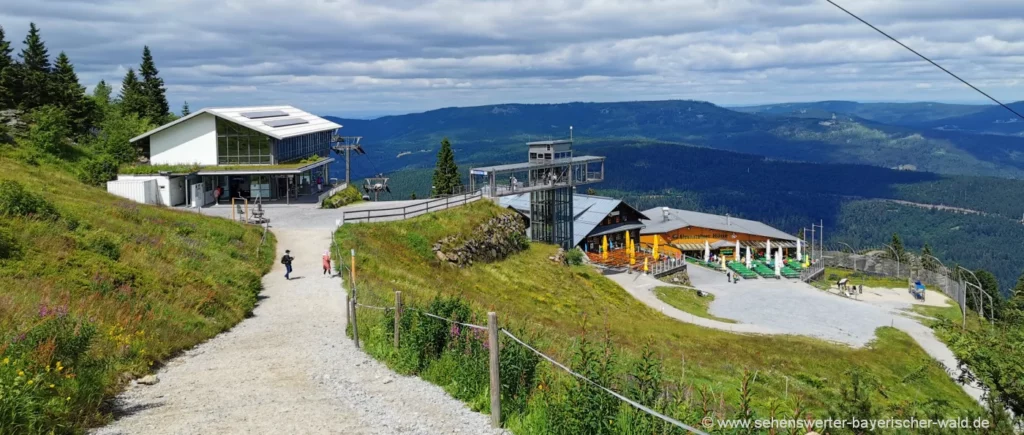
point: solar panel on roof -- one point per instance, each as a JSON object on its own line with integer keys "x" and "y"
{"x": 285, "y": 122}
{"x": 264, "y": 114}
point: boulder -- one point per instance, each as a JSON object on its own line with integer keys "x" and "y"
{"x": 148, "y": 380}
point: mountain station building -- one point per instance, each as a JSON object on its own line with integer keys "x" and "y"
{"x": 685, "y": 232}
{"x": 274, "y": 153}
{"x": 594, "y": 217}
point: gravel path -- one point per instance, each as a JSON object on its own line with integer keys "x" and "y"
{"x": 290, "y": 369}
{"x": 768, "y": 306}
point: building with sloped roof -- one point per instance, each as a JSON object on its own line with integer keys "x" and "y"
{"x": 594, "y": 217}
{"x": 215, "y": 154}
{"x": 687, "y": 231}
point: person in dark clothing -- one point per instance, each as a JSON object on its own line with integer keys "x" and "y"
{"x": 286, "y": 260}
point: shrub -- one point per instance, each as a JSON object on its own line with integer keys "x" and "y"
{"x": 96, "y": 171}
{"x": 102, "y": 243}
{"x": 50, "y": 130}
{"x": 574, "y": 257}
{"x": 346, "y": 196}
{"x": 16, "y": 201}
{"x": 8, "y": 244}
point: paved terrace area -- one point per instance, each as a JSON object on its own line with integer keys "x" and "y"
{"x": 769, "y": 306}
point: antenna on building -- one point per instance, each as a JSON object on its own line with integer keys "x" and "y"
{"x": 570, "y": 133}
{"x": 727, "y": 219}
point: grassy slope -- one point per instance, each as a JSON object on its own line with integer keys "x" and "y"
{"x": 833, "y": 274}
{"x": 688, "y": 301}
{"x": 527, "y": 290}
{"x": 179, "y": 279}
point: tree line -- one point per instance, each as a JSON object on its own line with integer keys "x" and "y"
{"x": 56, "y": 119}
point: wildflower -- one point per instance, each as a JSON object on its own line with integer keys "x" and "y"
{"x": 44, "y": 310}
{"x": 51, "y": 386}
{"x": 7, "y": 361}
{"x": 21, "y": 373}
{"x": 61, "y": 311}
{"x": 30, "y": 382}
{"x": 68, "y": 399}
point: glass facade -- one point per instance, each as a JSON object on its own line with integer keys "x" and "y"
{"x": 238, "y": 145}
{"x": 300, "y": 147}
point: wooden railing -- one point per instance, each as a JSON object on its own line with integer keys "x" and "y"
{"x": 410, "y": 211}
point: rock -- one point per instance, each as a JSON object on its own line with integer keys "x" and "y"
{"x": 149, "y": 380}
{"x": 388, "y": 380}
{"x": 440, "y": 255}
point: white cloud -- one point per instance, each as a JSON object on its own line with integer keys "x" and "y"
{"x": 351, "y": 57}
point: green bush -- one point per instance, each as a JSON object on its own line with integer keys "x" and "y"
{"x": 348, "y": 195}
{"x": 50, "y": 130}
{"x": 574, "y": 257}
{"x": 16, "y": 201}
{"x": 104, "y": 244}
{"x": 8, "y": 244}
{"x": 96, "y": 171}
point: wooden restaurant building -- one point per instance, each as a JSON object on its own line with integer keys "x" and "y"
{"x": 685, "y": 232}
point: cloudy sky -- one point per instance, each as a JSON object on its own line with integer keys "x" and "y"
{"x": 365, "y": 58}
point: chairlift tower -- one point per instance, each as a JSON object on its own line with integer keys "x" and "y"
{"x": 550, "y": 176}
{"x": 376, "y": 185}
{"x": 347, "y": 144}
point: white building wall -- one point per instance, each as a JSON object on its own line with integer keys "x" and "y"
{"x": 192, "y": 141}
{"x": 142, "y": 191}
{"x": 170, "y": 191}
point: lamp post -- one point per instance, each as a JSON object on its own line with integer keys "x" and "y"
{"x": 945, "y": 274}
{"x": 981, "y": 291}
{"x": 852, "y": 252}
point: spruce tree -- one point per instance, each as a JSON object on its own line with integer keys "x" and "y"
{"x": 6, "y": 69}
{"x": 185, "y": 111}
{"x": 69, "y": 95}
{"x": 157, "y": 108}
{"x": 32, "y": 76}
{"x": 101, "y": 95}
{"x": 897, "y": 245}
{"x": 132, "y": 98}
{"x": 446, "y": 173}
{"x": 927, "y": 260}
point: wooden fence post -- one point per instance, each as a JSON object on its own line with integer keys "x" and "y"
{"x": 398, "y": 316}
{"x": 492, "y": 339}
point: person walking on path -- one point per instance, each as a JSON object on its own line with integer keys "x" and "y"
{"x": 286, "y": 260}
{"x": 327, "y": 262}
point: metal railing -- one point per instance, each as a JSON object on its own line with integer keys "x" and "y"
{"x": 409, "y": 211}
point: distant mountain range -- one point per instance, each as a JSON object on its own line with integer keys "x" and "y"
{"x": 985, "y": 119}
{"x": 497, "y": 133}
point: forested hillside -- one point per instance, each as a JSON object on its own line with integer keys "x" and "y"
{"x": 993, "y": 120}
{"x": 498, "y": 133}
{"x": 909, "y": 114}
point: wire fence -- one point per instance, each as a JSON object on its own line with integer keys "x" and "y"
{"x": 492, "y": 327}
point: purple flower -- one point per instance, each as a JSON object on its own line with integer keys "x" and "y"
{"x": 19, "y": 338}
{"x": 454, "y": 331}
{"x": 44, "y": 310}
{"x": 62, "y": 311}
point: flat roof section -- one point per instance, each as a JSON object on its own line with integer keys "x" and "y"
{"x": 238, "y": 115}
{"x": 526, "y": 166}
{"x": 550, "y": 142}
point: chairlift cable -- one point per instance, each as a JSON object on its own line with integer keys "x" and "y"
{"x": 926, "y": 58}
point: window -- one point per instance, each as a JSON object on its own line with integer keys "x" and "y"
{"x": 300, "y": 147}
{"x": 238, "y": 145}
{"x": 533, "y": 156}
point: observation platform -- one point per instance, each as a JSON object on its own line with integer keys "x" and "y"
{"x": 533, "y": 176}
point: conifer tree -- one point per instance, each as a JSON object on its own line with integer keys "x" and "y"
{"x": 927, "y": 258}
{"x": 446, "y": 173}
{"x": 132, "y": 98}
{"x": 157, "y": 108}
{"x": 69, "y": 95}
{"x": 185, "y": 111}
{"x": 897, "y": 245}
{"x": 101, "y": 95}
{"x": 31, "y": 81}
{"x": 6, "y": 65}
